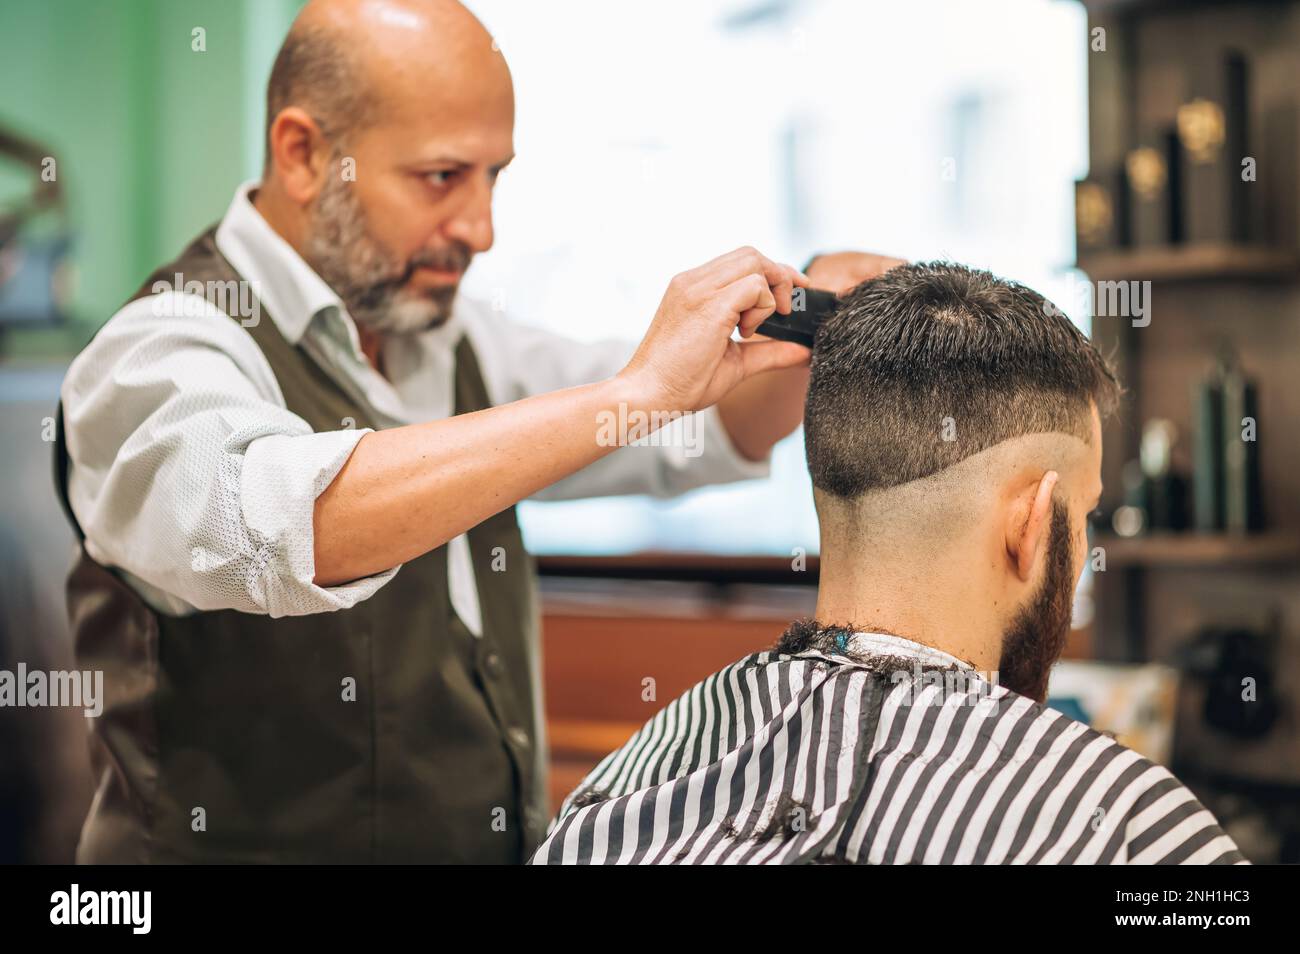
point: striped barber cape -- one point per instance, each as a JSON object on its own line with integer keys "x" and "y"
{"x": 865, "y": 748}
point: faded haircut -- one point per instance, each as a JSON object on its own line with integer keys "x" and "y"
{"x": 932, "y": 363}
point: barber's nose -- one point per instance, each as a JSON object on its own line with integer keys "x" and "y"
{"x": 472, "y": 223}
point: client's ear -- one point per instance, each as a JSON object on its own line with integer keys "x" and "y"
{"x": 1028, "y": 524}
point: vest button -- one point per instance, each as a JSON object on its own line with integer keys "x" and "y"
{"x": 492, "y": 663}
{"x": 518, "y": 736}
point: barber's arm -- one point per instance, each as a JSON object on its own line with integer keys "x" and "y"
{"x": 840, "y": 271}
{"x": 520, "y": 360}
{"x": 407, "y": 490}
{"x": 189, "y": 473}
{"x": 727, "y": 442}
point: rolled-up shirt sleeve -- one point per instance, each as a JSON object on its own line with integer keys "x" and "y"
{"x": 188, "y": 472}
{"x": 691, "y": 451}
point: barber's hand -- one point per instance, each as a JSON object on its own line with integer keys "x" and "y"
{"x": 688, "y": 359}
{"x": 840, "y": 271}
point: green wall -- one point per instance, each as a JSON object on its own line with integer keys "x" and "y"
{"x": 151, "y": 137}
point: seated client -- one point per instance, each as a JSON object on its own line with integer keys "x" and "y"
{"x": 953, "y": 439}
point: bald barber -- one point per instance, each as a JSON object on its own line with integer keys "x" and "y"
{"x": 293, "y": 459}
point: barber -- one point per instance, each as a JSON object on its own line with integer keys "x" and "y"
{"x": 293, "y": 460}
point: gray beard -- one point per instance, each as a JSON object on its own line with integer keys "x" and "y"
{"x": 363, "y": 275}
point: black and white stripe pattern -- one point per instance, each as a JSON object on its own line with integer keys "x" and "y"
{"x": 846, "y": 756}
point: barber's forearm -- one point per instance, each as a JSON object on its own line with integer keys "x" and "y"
{"x": 407, "y": 490}
{"x": 761, "y": 411}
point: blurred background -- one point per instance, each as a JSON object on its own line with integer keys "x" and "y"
{"x": 1060, "y": 143}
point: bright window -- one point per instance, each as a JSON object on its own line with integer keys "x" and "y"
{"x": 652, "y": 137}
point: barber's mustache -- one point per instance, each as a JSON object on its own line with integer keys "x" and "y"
{"x": 454, "y": 258}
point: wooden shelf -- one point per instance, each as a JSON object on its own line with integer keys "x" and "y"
{"x": 1199, "y": 262}
{"x": 693, "y": 567}
{"x": 1200, "y": 550}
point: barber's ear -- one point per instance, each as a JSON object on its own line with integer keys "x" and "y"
{"x": 300, "y": 154}
{"x": 1028, "y": 527}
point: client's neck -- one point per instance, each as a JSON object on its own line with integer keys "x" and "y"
{"x": 930, "y": 599}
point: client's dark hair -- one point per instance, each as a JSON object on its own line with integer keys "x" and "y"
{"x": 932, "y": 363}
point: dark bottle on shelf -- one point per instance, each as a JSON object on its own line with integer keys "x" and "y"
{"x": 1164, "y": 489}
{"x": 1207, "y": 451}
{"x": 1242, "y": 512}
{"x": 1225, "y": 468}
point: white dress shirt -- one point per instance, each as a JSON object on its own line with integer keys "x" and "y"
{"x": 189, "y": 475}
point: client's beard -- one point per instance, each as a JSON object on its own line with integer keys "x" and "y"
{"x": 362, "y": 273}
{"x": 1036, "y": 637}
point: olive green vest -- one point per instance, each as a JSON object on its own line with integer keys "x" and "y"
{"x": 386, "y": 732}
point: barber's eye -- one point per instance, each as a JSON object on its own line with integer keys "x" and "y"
{"x": 441, "y": 177}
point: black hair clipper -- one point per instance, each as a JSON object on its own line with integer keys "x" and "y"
{"x": 800, "y": 326}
